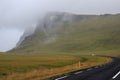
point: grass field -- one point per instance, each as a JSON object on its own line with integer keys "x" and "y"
{"x": 37, "y": 67}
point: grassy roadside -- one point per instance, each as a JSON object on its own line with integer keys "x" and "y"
{"x": 37, "y": 67}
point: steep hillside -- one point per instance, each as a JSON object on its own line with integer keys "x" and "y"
{"x": 64, "y": 33}
{"x": 28, "y": 32}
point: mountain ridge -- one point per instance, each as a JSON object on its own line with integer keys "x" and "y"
{"x": 63, "y": 32}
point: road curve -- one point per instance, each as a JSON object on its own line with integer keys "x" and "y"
{"x": 110, "y": 71}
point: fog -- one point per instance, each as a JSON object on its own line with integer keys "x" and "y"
{"x": 17, "y": 15}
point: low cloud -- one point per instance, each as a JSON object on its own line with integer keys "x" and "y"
{"x": 22, "y": 13}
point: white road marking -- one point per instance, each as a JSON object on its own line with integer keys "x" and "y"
{"x": 89, "y": 69}
{"x": 96, "y": 67}
{"x": 61, "y": 78}
{"x": 116, "y": 75}
{"x": 78, "y": 72}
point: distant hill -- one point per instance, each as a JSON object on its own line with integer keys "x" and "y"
{"x": 64, "y": 33}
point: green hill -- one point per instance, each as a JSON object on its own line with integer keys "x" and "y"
{"x": 68, "y": 33}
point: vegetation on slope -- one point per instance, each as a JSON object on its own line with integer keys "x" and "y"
{"x": 99, "y": 33}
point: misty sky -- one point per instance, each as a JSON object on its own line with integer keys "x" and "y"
{"x": 17, "y": 15}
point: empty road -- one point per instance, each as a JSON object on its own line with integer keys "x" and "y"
{"x": 110, "y": 71}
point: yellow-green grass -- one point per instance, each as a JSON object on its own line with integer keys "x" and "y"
{"x": 13, "y": 63}
{"x": 36, "y": 67}
{"x": 114, "y": 52}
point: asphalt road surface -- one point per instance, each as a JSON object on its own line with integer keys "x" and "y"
{"x": 110, "y": 71}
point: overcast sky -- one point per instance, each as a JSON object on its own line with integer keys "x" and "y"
{"x": 17, "y": 15}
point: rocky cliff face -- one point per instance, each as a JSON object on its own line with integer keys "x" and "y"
{"x": 48, "y": 27}
{"x": 27, "y": 32}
